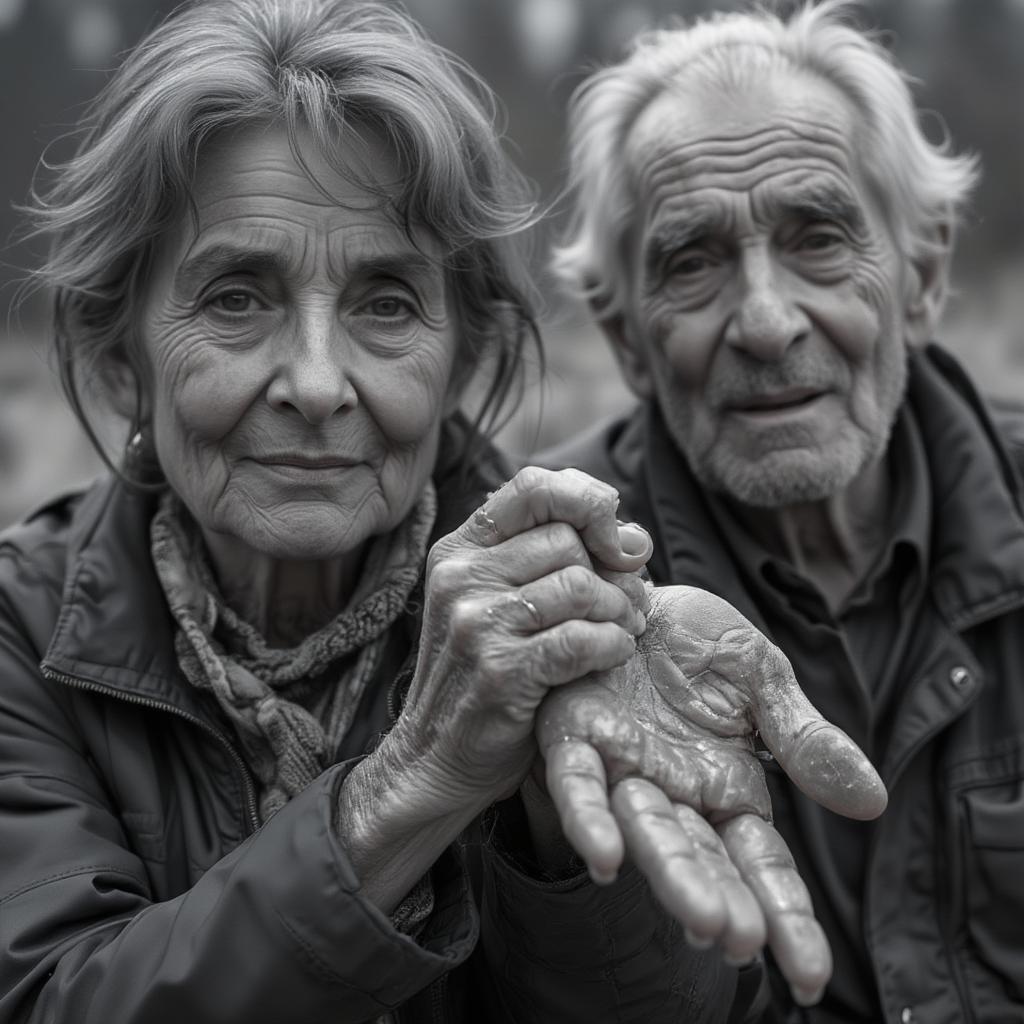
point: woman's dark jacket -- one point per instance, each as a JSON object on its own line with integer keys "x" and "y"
{"x": 942, "y": 903}
{"x": 137, "y": 888}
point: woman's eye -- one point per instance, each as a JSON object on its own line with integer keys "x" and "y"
{"x": 235, "y": 302}
{"x": 388, "y": 307}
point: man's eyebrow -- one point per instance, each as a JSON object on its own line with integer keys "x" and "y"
{"x": 824, "y": 204}
{"x": 672, "y": 236}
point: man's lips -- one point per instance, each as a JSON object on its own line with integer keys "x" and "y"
{"x": 777, "y": 400}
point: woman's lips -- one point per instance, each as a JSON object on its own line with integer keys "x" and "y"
{"x": 311, "y": 462}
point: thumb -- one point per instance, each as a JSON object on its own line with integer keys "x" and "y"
{"x": 817, "y": 755}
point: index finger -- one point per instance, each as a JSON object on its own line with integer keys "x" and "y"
{"x": 535, "y": 496}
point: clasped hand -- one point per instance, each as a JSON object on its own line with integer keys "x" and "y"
{"x": 645, "y": 704}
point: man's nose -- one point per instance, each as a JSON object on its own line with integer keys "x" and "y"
{"x": 313, "y": 370}
{"x": 767, "y": 319}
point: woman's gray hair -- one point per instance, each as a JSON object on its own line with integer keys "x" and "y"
{"x": 315, "y": 66}
{"x": 921, "y": 185}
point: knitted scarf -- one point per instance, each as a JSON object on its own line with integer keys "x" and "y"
{"x": 290, "y": 707}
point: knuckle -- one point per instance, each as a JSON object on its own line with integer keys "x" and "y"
{"x": 578, "y": 584}
{"x": 464, "y": 621}
{"x": 551, "y": 656}
{"x": 532, "y": 478}
{"x": 447, "y": 576}
{"x": 566, "y": 545}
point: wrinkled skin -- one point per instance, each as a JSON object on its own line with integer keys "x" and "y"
{"x": 658, "y": 759}
{"x": 537, "y": 589}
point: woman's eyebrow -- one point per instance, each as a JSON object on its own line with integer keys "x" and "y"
{"x": 223, "y": 258}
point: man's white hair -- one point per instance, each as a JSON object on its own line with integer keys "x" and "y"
{"x": 921, "y": 184}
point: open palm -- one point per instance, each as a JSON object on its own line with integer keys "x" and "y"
{"x": 660, "y": 759}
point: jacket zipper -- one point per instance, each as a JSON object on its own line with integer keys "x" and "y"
{"x": 897, "y": 771}
{"x": 437, "y": 999}
{"x": 947, "y": 915}
{"x": 248, "y": 786}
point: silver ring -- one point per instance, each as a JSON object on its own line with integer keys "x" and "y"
{"x": 481, "y": 518}
{"x": 530, "y": 607}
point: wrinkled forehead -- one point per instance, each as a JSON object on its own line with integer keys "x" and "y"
{"x": 354, "y": 168}
{"x": 264, "y": 199}
{"x": 778, "y": 131}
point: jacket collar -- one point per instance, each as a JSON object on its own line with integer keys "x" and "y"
{"x": 978, "y": 542}
{"x": 977, "y": 558}
{"x": 114, "y": 630}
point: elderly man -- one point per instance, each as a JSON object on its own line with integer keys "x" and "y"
{"x": 764, "y": 233}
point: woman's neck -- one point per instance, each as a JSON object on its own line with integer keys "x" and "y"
{"x": 286, "y": 601}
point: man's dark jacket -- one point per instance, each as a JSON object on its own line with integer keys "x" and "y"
{"x": 137, "y": 886}
{"x": 943, "y": 901}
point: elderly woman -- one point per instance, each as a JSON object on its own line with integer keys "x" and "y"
{"x": 282, "y": 249}
{"x": 261, "y": 759}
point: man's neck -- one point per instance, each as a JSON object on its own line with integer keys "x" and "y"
{"x": 833, "y": 543}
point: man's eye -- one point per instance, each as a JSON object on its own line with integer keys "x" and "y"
{"x": 688, "y": 265}
{"x": 820, "y": 241}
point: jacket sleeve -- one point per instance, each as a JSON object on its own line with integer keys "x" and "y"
{"x": 570, "y": 950}
{"x": 275, "y": 931}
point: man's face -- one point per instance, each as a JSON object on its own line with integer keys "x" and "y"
{"x": 767, "y": 295}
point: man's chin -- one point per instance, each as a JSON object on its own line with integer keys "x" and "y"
{"x": 782, "y": 478}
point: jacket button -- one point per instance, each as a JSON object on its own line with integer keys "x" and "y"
{"x": 907, "y": 1015}
{"x": 959, "y": 676}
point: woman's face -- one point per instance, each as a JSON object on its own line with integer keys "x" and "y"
{"x": 300, "y": 351}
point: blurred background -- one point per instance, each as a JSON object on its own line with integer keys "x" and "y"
{"x": 967, "y": 54}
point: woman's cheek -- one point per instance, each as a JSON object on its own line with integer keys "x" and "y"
{"x": 210, "y": 391}
{"x": 410, "y": 396}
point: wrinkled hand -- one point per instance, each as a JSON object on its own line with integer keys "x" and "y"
{"x": 533, "y": 591}
{"x": 658, "y": 758}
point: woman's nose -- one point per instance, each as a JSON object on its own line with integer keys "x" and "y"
{"x": 767, "y": 320}
{"x": 313, "y": 374}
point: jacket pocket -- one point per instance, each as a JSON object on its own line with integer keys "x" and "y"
{"x": 993, "y": 891}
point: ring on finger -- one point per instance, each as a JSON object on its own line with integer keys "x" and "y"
{"x": 521, "y": 601}
{"x": 481, "y": 518}
{"x": 529, "y": 606}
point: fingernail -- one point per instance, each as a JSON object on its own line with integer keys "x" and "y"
{"x": 697, "y": 941}
{"x": 736, "y": 961}
{"x": 640, "y": 623}
{"x": 634, "y": 539}
{"x": 806, "y": 997}
{"x": 603, "y": 877}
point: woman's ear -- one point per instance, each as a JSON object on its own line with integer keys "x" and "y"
{"x": 630, "y": 352}
{"x": 125, "y": 391}
{"x": 927, "y": 285}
